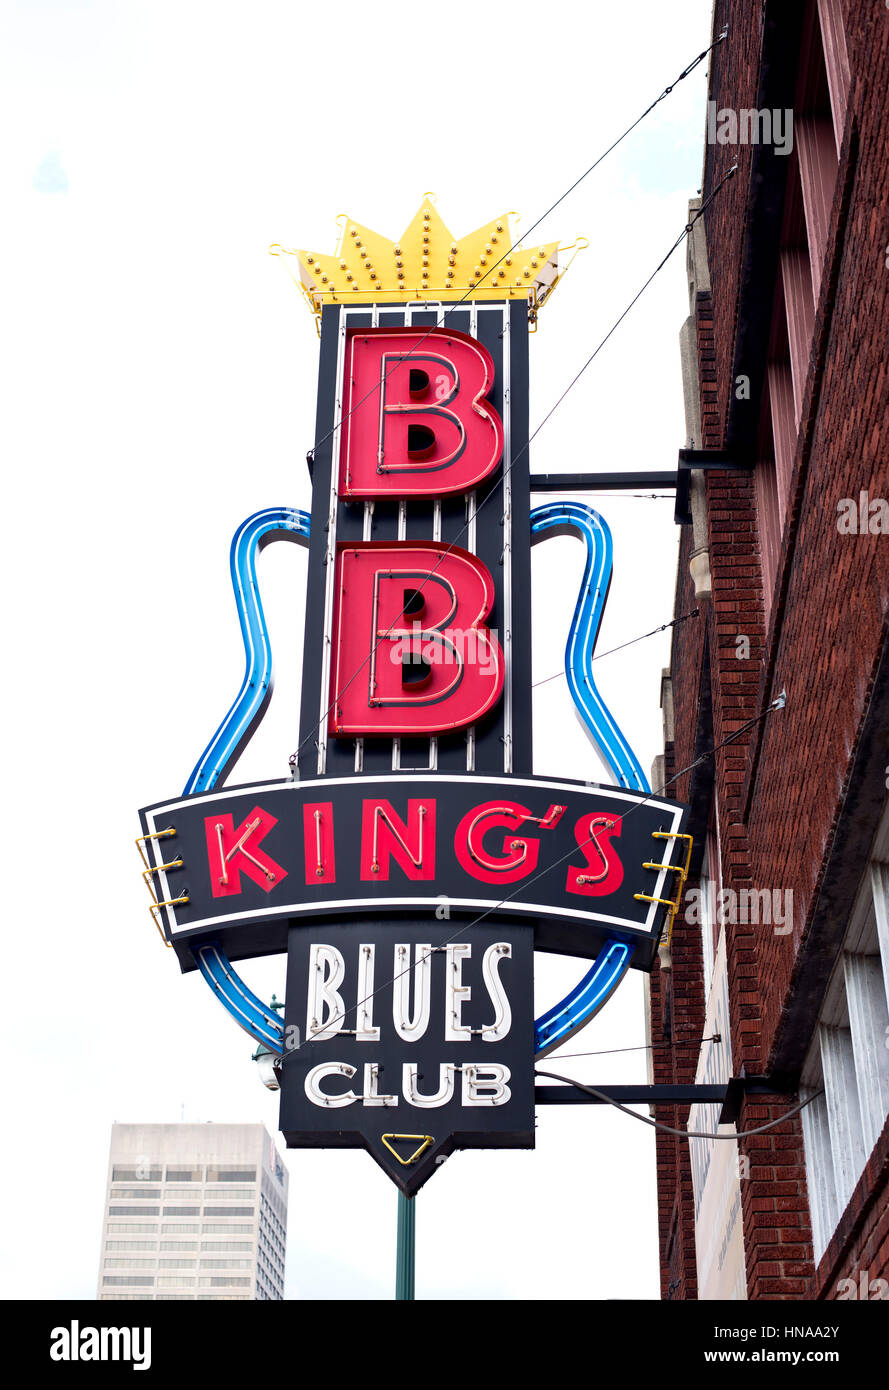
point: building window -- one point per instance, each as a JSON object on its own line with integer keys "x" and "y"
{"x": 129, "y": 1264}
{"x": 179, "y": 1245}
{"x": 115, "y": 1228}
{"x": 179, "y": 1228}
{"x": 710, "y": 887}
{"x": 180, "y": 1282}
{"x": 836, "y": 62}
{"x": 816, "y": 148}
{"x": 224, "y": 1281}
{"x": 849, "y": 1060}
{"x": 221, "y": 1228}
{"x": 225, "y": 1173}
{"x": 133, "y": 1211}
{"x": 130, "y": 1245}
{"x": 798, "y": 293}
{"x": 135, "y": 1280}
{"x": 182, "y": 1211}
{"x": 819, "y": 114}
{"x": 184, "y": 1174}
{"x": 228, "y": 1211}
{"x": 136, "y": 1175}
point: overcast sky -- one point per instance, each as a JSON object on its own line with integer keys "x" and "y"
{"x": 159, "y": 373}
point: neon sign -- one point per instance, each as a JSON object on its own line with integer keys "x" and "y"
{"x": 414, "y": 862}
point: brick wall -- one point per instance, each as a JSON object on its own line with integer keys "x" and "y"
{"x": 780, "y": 787}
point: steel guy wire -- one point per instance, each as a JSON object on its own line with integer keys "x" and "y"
{"x": 508, "y": 252}
{"x": 669, "y": 1129}
{"x": 611, "y": 650}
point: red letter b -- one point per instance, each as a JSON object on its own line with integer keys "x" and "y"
{"x": 411, "y": 652}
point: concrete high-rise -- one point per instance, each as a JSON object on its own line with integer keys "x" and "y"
{"x": 193, "y": 1211}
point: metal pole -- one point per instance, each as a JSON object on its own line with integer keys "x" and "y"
{"x": 404, "y": 1256}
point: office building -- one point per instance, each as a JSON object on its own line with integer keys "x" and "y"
{"x": 193, "y": 1211}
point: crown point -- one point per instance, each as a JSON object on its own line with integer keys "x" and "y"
{"x": 319, "y": 271}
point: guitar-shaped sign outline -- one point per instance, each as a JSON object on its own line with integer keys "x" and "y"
{"x": 580, "y": 1005}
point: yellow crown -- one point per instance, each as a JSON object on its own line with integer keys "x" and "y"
{"x": 429, "y": 263}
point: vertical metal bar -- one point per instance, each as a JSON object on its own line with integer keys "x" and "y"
{"x": 404, "y": 1252}
{"x": 507, "y": 545}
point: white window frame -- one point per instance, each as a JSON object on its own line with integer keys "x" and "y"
{"x": 849, "y": 1056}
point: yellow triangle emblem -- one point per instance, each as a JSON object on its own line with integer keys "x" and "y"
{"x": 423, "y": 1142}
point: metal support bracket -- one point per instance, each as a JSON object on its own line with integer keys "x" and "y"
{"x": 156, "y": 903}
{"x": 691, "y": 459}
{"x": 681, "y": 869}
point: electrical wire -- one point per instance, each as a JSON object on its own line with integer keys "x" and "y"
{"x": 526, "y": 235}
{"x": 598, "y": 657}
{"x": 311, "y": 736}
{"x": 594, "y": 354}
{"x": 669, "y": 1129}
{"x": 640, "y": 1047}
{"x": 775, "y": 704}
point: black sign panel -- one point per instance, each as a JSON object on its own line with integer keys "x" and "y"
{"x": 583, "y": 863}
{"x": 408, "y": 1048}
